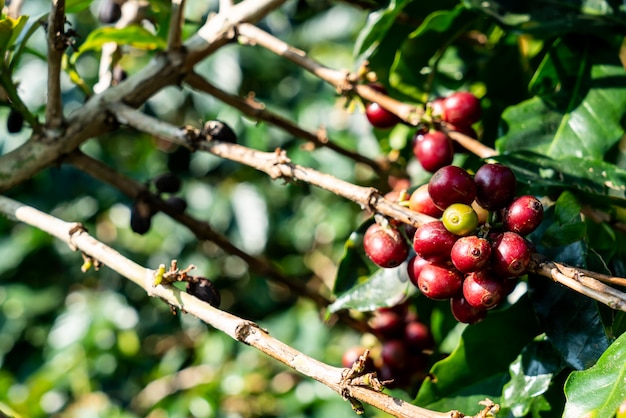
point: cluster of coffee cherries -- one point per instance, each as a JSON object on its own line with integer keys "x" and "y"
{"x": 142, "y": 210}
{"x": 475, "y": 251}
{"x": 432, "y": 147}
{"x": 401, "y": 352}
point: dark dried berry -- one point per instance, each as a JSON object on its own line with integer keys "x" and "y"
{"x": 177, "y": 204}
{"x": 140, "y": 217}
{"x": 219, "y": 131}
{"x": 119, "y": 75}
{"x": 167, "y": 183}
{"x": 15, "y": 121}
{"x": 109, "y": 12}
{"x": 205, "y": 290}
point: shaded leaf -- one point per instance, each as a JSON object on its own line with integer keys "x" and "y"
{"x": 353, "y": 264}
{"x": 598, "y": 391}
{"x": 378, "y": 24}
{"x": 416, "y": 61}
{"x": 75, "y": 6}
{"x": 571, "y": 321}
{"x": 602, "y": 182}
{"x": 552, "y": 18}
{"x": 480, "y": 357}
{"x": 531, "y": 375}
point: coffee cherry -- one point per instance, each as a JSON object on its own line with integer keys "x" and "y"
{"x": 167, "y": 183}
{"x": 451, "y": 184}
{"x": 510, "y": 255}
{"x": 380, "y": 117}
{"x": 385, "y": 246}
{"x": 483, "y": 289}
{"x": 417, "y": 336}
{"x": 524, "y": 215}
{"x": 420, "y": 201}
{"x": 439, "y": 282}
{"x": 436, "y": 106}
{"x": 140, "y": 217}
{"x": 177, "y": 204}
{"x": 460, "y": 219}
{"x": 495, "y": 186}
{"x": 414, "y": 268}
{"x": 433, "y": 242}
{"x": 109, "y": 12}
{"x": 205, "y": 290}
{"x": 461, "y": 108}
{"x": 394, "y": 354}
{"x": 470, "y": 254}
{"x": 433, "y": 150}
{"x": 386, "y": 324}
{"x": 464, "y": 312}
{"x": 15, "y": 121}
{"x": 219, "y": 131}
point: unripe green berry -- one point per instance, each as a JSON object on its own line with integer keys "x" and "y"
{"x": 460, "y": 219}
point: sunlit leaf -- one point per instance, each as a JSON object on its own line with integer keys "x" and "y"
{"x": 134, "y": 36}
{"x": 531, "y": 375}
{"x": 384, "y": 288}
{"x": 580, "y": 107}
{"x": 598, "y": 391}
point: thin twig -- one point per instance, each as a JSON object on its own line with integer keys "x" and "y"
{"x": 343, "y": 81}
{"x": 256, "y": 110}
{"x": 237, "y": 328}
{"x": 57, "y": 43}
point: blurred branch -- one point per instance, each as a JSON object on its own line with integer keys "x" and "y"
{"x": 275, "y": 164}
{"x": 15, "y": 8}
{"x": 252, "y": 108}
{"x": 90, "y": 120}
{"x": 278, "y": 165}
{"x": 174, "y": 38}
{"x": 57, "y": 43}
{"x": 237, "y": 328}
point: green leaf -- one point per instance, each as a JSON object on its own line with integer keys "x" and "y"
{"x": 134, "y": 36}
{"x": 378, "y": 25}
{"x": 580, "y": 110}
{"x": 353, "y": 264}
{"x": 531, "y": 375}
{"x": 598, "y": 391}
{"x": 417, "y": 59}
{"x": 571, "y": 321}
{"x": 10, "y": 29}
{"x": 553, "y": 18}
{"x": 598, "y": 181}
{"x": 481, "y": 356}
{"x": 567, "y": 226}
{"x": 75, "y": 6}
{"x": 384, "y": 288}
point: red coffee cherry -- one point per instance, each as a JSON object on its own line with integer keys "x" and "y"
{"x": 510, "y": 255}
{"x": 523, "y": 215}
{"x": 471, "y": 253}
{"x": 385, "y": 246}
{"x": 483, "y": 289}
{"x": 439, "y": 282}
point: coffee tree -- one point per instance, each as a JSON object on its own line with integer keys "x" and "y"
{"x": 393, "y": 208}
